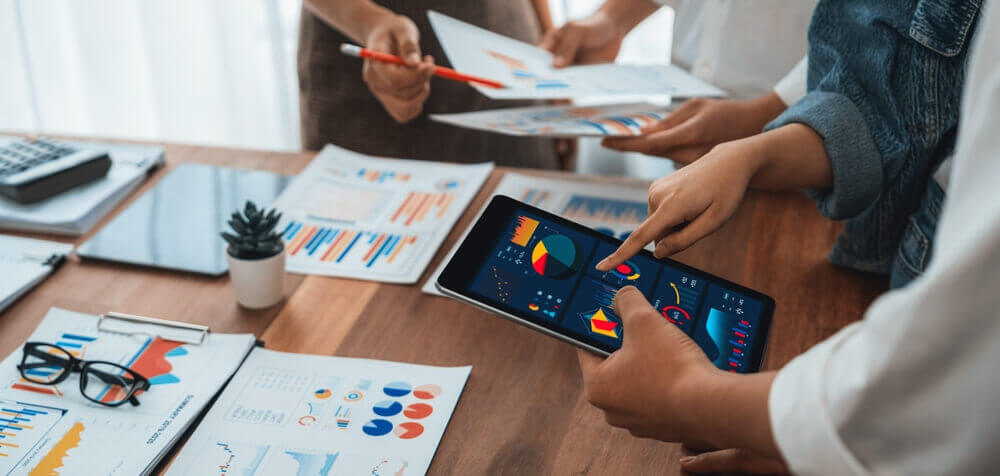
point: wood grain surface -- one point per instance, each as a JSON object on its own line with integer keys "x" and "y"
{"x": 523, "y": 410}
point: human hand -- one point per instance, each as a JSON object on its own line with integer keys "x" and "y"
{"x": 402, "y": 90}
{"x": 698, "y": 125}
{"x": 595, "y": 39}
{"x": 732, "y": 460}
{"x": 648, "y": 386}
{"x": 691, "y": 202}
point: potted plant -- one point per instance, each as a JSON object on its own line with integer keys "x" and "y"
{"x": 256, "y": 257}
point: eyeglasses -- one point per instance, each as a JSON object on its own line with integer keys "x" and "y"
{"x": 106, "y": 383}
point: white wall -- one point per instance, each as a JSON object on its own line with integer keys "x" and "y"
{"x": 214, "y": 72}
{"x": 219, "y": 72}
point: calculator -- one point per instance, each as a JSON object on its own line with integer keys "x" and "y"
{"x": 32, "y": 170}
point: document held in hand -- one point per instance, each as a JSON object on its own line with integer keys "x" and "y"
{"x": 527, "y": 70}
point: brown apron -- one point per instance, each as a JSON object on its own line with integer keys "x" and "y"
{"x": 336, "y": 106}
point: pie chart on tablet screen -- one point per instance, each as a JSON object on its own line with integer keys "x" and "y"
{"x": 554, "y": 256}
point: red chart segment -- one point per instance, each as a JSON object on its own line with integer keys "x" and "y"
{"x": 554, "y": 256}
{"x": 409, "y": 430}
{"x": 427, "y": 391}
{"x": 417, "y": 411}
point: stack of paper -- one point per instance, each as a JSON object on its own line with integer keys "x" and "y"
{"x": 75, "y": 211}
{"x": 561, "y": 121}
{"x": 363, "y": 217}
{"x": 612, "y": 210}
{"x": 25, "y": 263}
{"x": 311, "y": 415}
{"x": 528, "y": 73}
{"x": 53, "y": 429}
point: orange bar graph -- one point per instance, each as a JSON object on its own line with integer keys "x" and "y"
{"x": 375, "y": 247}
{"x": 446, "y": 205}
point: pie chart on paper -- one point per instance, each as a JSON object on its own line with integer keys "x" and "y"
{"x": 409, "y": 430}
{"x": 554, "y": 256}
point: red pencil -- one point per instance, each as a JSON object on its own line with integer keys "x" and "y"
{"x": 359, "y": 52}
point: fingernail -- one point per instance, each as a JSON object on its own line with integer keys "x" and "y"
{"x": 413, "y": 57}
{"x": 687, "y": 459}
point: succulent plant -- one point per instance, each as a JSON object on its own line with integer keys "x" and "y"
{"x": 255, "y": 237}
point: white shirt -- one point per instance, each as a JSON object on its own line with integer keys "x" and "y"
{"x": 914, "y": 387}
{"x": 742, "y": 46}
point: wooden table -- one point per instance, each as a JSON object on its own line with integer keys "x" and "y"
{"x": 523, "y": 410}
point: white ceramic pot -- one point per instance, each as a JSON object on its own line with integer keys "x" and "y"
{"x": 259, "y": 283}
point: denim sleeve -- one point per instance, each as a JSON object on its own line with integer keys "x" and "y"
{"x": 856, "y": 162}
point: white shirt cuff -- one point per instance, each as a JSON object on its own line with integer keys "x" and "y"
{"x": 792, "y": 87}
{"x": 800, "y": 417}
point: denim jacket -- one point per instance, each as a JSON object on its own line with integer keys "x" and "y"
{"x": 884, "y": 84}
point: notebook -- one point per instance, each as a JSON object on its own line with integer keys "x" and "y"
{"x": 75, "y": 211}
{"x": 25, "y": 263}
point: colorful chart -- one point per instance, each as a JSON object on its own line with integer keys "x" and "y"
{"x": 307, "y": 420}
{"x": 624, "y": 273}
{"x": 344, "y": 245}
{"x": 150, "y": 362}
{"x": 604, "y": 295}
{"x": 448, "y": 184}
{"x": 343, "y": 417}
{"x": 382, "y": 176}
{"x": 75, "y": 344}
{"x": 586, "y": 208}
{"x": 323, "y": 393}
{"x": 234, "y": 454}
{"x": 417, "y": 411}
{"x": 730, "y": 334}
{"x": 523, "y": 232}
{"x": 418, "y": 206}
{"x": 409, "y": 430}
{"x": 313, "y": 464}
{"x": 675, "y": 314}
{"x": 630, "y": 124}
{"x": 377, "y": 427}
{"x": 22, "y": 426}
{"x": 599, "y": 323}
{"x": 387, "y": 408}
{"x": 535, "y": 197}
{"x": 554, "y": 256}
{"x": 427, "y": 391}
{"x": 397, "y": 389}
{"x": 520, "y": 71}
{"x": 353, "y": 396}
{"x": 53, "y": 460}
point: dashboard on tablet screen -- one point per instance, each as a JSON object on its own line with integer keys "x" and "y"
{"x": 542, "y": 269}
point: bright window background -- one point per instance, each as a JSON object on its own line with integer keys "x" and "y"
{"x": 218, "y": 72}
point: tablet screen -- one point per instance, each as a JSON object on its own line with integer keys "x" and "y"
{"x": 544, "y": 270}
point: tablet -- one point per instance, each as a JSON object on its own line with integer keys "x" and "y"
{"x": 537, "y": 269}
{"x": 176, "y": 225}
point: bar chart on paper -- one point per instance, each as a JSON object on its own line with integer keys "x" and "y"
{"x": 364, "y": 217}
{"x": 22, "y": 426}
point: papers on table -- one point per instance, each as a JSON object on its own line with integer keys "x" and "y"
{"x": 561, "y": 121}
{"x": 613, "y": 210}
{"x": 25, "y": 263}
{"x": 298, "y": 414}
{"x": 362, "y": 217}
{"x": 527, "y": 70}
{"x": 75, "y": 211}
{"x": 53, "y": 429}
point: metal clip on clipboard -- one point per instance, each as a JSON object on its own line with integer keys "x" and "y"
{"x": 120, "y": 323}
